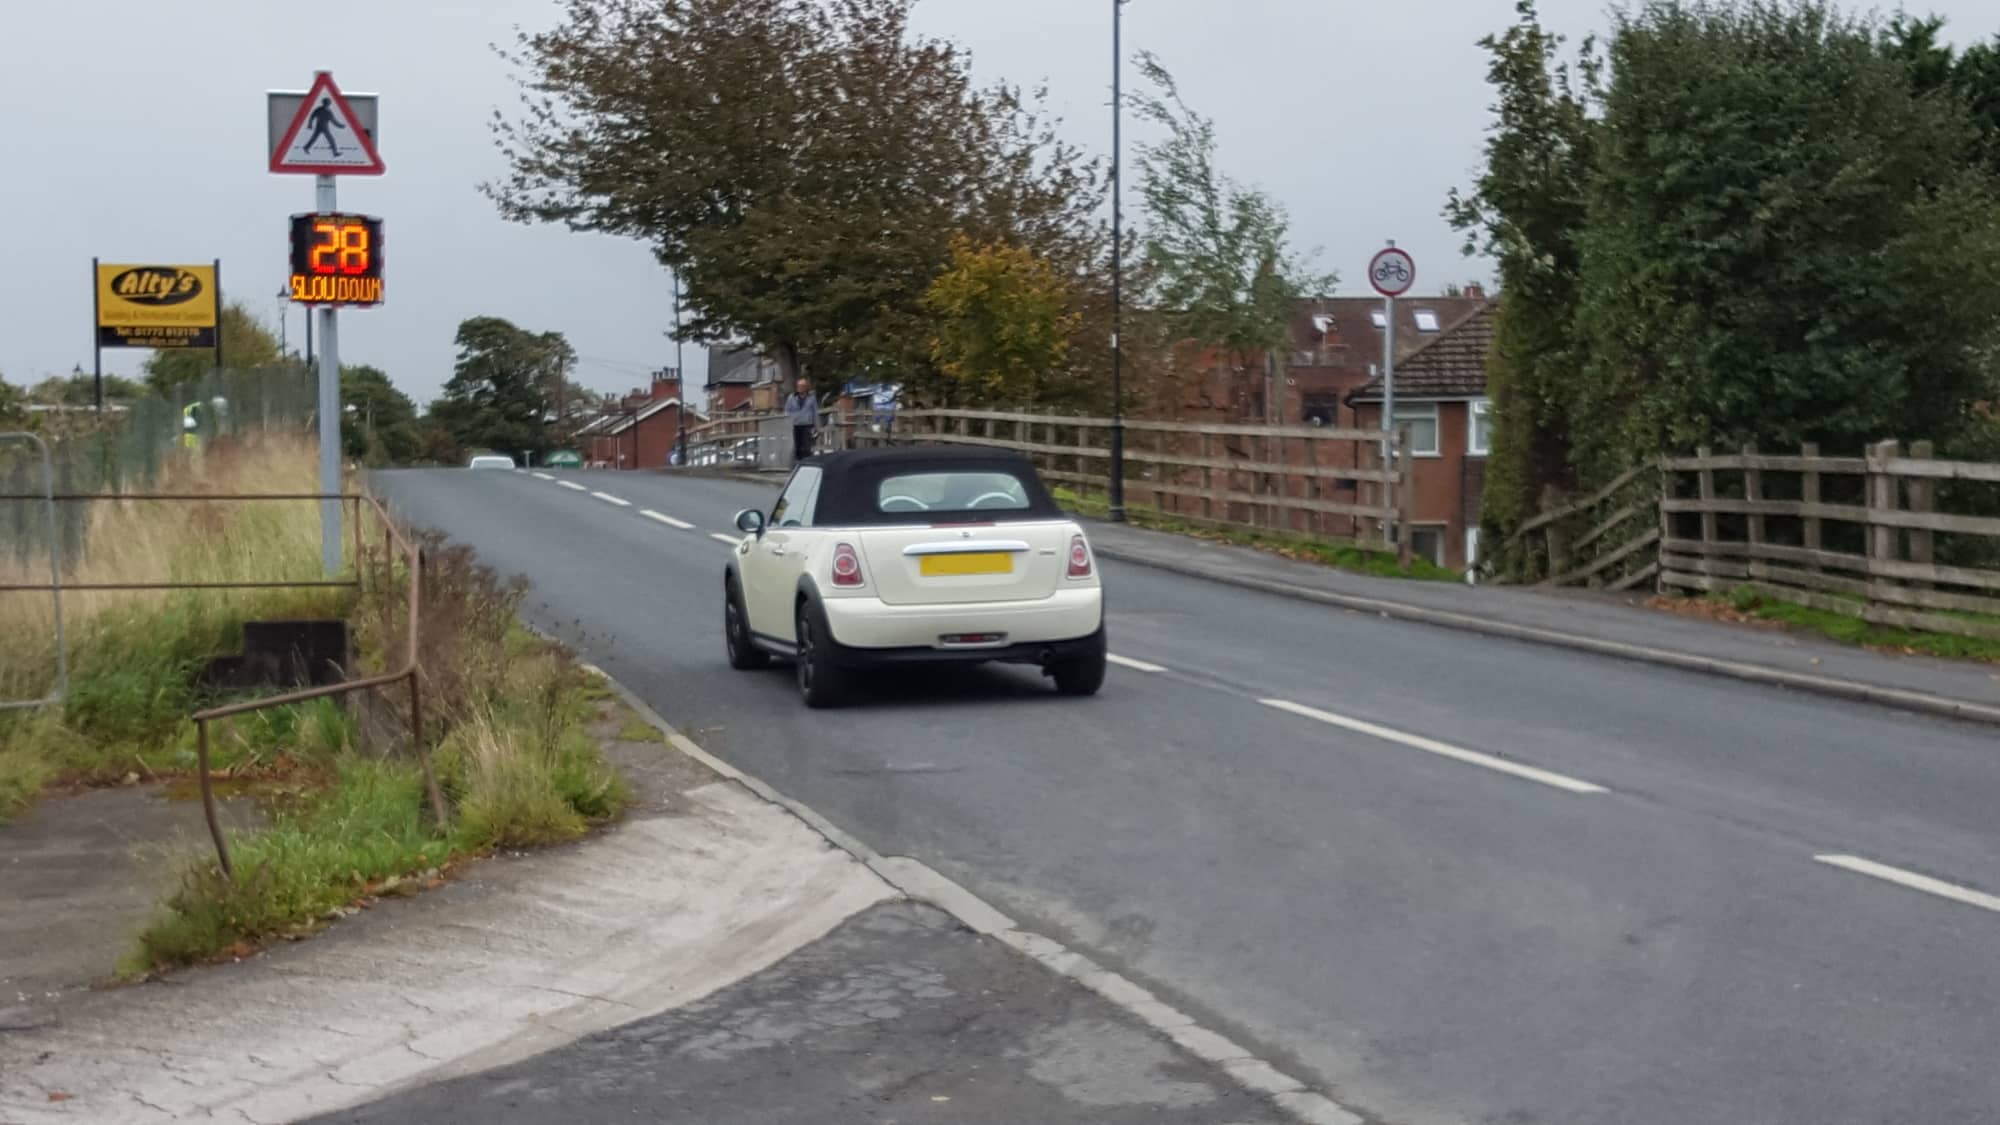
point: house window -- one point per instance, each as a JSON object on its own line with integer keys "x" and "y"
{"x": 1322, "y": 410}
{"x": 1427, "y": 320}
{"x": 1479, "y": 437}
{"x": 1380, "y": 318}
{"x": 1422, "y": 420}
{"x": 1428, "y": 543}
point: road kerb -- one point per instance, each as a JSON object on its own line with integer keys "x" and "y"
{"x": 1851, "y": 690}
{"x": 916, "y": 880}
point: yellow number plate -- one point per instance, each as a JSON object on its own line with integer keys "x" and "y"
{"x": 975, "y": 562}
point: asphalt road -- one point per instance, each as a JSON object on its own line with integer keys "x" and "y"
{"x": 899, "y": 1015}
{"x": 1449, "y": 878}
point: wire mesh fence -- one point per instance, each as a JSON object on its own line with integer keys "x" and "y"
{"x": 126, "y": 450}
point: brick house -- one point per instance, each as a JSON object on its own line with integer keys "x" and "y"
{"x": 641, "y": 429}
{"x": 1441, "y": 396}
{"x": 741, "y": 378}
{"x": 1336, "y": 349}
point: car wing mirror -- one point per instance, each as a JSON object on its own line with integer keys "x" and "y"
{"x": 750, "y": 521}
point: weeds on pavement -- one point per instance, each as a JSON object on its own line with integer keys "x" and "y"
{"x": 509, "y": 721}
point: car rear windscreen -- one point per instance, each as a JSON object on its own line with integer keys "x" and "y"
{"x": 953, "y": 491}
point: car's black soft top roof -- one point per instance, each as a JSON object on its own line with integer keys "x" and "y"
{"x": 848, "y": 488}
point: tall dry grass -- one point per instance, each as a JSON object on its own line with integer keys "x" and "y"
{"x": 133, "y": 656}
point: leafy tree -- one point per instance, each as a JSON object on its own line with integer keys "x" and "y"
{"x": 1936, "y": 70}
{"x": 380, "y": 427}
{"x": 803, "y": 166}
{"x": 501, "y": 392}
{"x": 1528, "y": 212}
{"x": 246, "y": 345}
{"x": 1751, "y": 274}
{"x": 1002, "y": 322}
{"x": 1221, "y": 270}
{"x": 13, "y": 405}
{"x": 80, "y": 389}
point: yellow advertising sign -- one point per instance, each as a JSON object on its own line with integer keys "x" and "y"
{"x": 156, "y": 306}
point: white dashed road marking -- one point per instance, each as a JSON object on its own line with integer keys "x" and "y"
{"x": 572, "y": 486}
{"x": 543, "y": 476}
{"x": 1914, "y": 881}
{"x": 610, "y": 499}
{"x": 1135, "y": 665}
{"x": 668, "y": 520}
{"x": 1442, "y": 749}
{"x": 721, "y": 538}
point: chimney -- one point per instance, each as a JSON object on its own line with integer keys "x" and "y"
{"x": 1475, "y": 291}
{"x": 666, "y": 384}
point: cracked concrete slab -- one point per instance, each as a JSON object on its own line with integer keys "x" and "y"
{"x": 521, "y": 956}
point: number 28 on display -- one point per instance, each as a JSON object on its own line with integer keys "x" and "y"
{"x": 336, "y": 259}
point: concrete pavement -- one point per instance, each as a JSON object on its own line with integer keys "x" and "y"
{"x": 705, "y": 884}
{"x": 1442, "y": 876}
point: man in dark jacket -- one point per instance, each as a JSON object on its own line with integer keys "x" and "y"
{"x": 802, "y": 410}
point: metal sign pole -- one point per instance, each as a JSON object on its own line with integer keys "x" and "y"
{"x": 96, "y": 338}
{"x": 329, "y": 413}
{"x": 1388, "y": 371}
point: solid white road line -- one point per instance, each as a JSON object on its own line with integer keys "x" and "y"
{"x": 732, "y": 540}
{"x": 543, "y": 476}
{"x": 572, "y": 486}
{"x": 668, "y": 520}
{"x": 610, "y": 499}
{"x": 1135, "y": 665}
{"x": 1914, "y": 881}
{"x": 1442, "y": 749}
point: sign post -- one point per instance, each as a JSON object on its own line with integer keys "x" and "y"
{"x": 326, "y": 138}
{"x": 154, "y": 307}
{"x": 1392, "y": 272}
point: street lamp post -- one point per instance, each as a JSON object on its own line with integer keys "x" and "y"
{"x": 1117, "y": 498}
{"x": 681, "y": 374}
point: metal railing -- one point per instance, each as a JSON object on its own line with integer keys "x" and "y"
{"x": 55, "y": 587}
{"x": 393, "y": 539}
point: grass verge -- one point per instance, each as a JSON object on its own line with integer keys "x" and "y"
{"x": 1853, "y": 630}
{"x": 134, "y": 656}
{"x": 514, "y": 756}
{"x": 1302, "y": 548}
{"x": 1746, "y": 605}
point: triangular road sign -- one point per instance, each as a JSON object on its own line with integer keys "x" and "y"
{"x": 325, "y": 138}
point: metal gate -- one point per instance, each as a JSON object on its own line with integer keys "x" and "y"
{"x": 48, "y": 501}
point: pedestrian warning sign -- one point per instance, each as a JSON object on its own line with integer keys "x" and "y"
{"x": 326, "y": 137}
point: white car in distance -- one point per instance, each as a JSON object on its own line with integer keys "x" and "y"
{"x": 876, "y": 558}
{"x": 490, "y": 461}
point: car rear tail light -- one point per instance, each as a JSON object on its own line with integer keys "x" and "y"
{"x": 846, "y": 566}
{"x": 1079, "y": 557}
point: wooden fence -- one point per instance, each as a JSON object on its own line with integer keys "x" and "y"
{"x": 1324, "y": 482}
{"x": 1607, "y": 539}
{"x": 1863, "y": 536}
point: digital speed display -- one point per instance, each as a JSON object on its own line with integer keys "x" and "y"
{"x": 336, "y": 259}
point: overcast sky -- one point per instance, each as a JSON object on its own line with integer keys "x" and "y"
{"x": 133, "y": 131}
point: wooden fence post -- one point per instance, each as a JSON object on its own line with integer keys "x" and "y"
{"x": 1161, "y": 469}
{"x": 1923, "y": 498}
{"x": 1207, "y": 481}
{"x": 1753, "y": 493}
{"x": 1705, "y": 481}
{"x": 1809, "y": 495}
{"x": 1881, "y": 498}
{"x": 1666, "y": 527}
{"x": 1555, "y": 534}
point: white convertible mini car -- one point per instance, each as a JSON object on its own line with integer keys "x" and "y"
{"x": 916, "y": 554}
